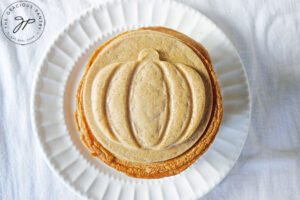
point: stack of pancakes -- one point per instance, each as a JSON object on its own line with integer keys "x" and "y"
{"x": 149, "y": 104}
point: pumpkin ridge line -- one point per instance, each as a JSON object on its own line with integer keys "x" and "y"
{"x": 163, "y": 135}
{"x": 191, "y": 101}
{"x": 168, "y": 107}
{"x": 128, "y": 116}
{"x": 106, "y": 86}
{"x": 169, "y": 89}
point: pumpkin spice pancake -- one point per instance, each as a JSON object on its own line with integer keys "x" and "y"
{"x": 149, "y": 104}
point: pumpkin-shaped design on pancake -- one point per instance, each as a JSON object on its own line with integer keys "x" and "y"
{"x": 141, "y": 103}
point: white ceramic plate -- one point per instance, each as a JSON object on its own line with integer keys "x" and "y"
{"x": 53, "y": 102}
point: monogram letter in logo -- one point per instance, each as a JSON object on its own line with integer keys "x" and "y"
{"x": 23, "y": 23}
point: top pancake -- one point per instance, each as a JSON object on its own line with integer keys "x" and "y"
{"x": 147, "y": 97}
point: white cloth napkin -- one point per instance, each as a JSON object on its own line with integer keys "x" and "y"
{"x": 266, "y": 35}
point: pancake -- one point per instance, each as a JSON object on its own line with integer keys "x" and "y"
{"x": 149, "y": 103}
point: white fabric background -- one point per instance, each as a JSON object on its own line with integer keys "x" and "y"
{"x": 267, "y": 36}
